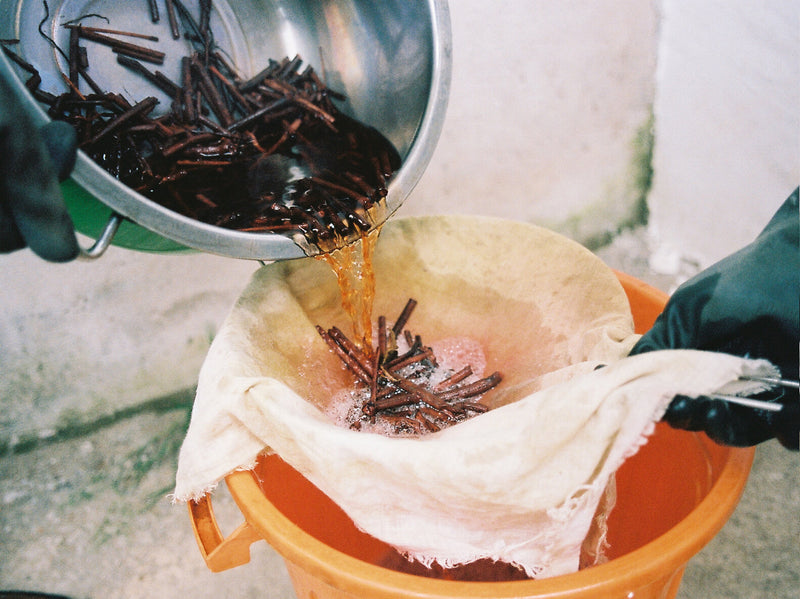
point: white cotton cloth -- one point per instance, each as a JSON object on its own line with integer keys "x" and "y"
{"x": 520, "y": 483}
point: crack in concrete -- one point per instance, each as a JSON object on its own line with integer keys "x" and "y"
{"x": 179, "y": 400}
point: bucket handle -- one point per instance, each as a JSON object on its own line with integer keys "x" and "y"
{"x": 219, "y": 552}
{"x": 102, "y": 243}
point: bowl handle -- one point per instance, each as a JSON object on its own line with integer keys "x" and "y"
{"x": 102, "y": 243}
{"x": 219, "y": 552}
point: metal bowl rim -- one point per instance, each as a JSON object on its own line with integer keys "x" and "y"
{"x": 258, "y": 246}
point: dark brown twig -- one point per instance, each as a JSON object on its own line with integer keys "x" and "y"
{"x": 396, "y": 391}
{"x": 401, "y": 321}
{"x": 355, "y": 365}
{"x": 157, "y": 78}
{"x": 141, "y": 108}
{"x": 122, "y": 47}
{"x": 473, "y": 389}
{"x": 74, "y": 56}
{"x": 454, "y": 379}
{"x": 154, "y": 16}
{"x": 173, "y": 20}
{"x": 141, "y": 36}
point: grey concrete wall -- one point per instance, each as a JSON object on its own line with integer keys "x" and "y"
{"x": 85, "y": 340}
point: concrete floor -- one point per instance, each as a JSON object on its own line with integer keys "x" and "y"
{"x": 83, "y": 512}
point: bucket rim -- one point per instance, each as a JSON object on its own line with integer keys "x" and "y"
{"x": 658, "y": 558}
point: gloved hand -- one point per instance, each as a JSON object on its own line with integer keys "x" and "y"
{"x": 32, "y": 161}
{"x": 747, "y": 305}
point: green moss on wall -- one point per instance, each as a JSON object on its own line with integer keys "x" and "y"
{"x": 624, "y": 204}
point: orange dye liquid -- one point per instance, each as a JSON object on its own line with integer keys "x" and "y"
{"x": 352, "y": 265}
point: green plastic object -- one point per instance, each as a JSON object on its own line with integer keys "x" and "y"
{"x": 90, "y": 217}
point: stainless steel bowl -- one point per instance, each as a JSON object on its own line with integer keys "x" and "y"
{"x": 392, "y": 59}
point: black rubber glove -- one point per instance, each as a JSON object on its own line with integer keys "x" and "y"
{"x": 747, "y": 305}
{"x": 32, "y": 161}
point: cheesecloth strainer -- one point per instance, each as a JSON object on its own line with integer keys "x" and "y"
{"x": 520, "y": 483}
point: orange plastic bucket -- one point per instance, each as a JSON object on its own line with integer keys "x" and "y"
{"x": 673, "y": 496}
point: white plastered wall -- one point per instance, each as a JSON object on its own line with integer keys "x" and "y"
{"x": 547, "y": 103}
{"x": 727, "y": 115}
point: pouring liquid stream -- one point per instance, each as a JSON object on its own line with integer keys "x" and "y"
{"x": 352, "y": 265}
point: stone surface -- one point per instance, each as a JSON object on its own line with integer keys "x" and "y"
{"x": 89, "y": 517}
{"x": 755, "y": 554}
